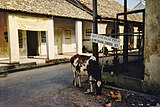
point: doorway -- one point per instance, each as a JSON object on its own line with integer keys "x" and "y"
{"x": 58, "y": 41}
{"x": 32, "y": 43}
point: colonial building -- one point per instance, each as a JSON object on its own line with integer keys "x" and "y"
{"x": 35, "y": 28}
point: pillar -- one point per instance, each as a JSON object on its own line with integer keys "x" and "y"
{"x": 78, "y": 33}
{"x": 39, "y": 43}
{"x": 125, "y": 40}
{"x": 121, "y": 30}
{"x": 152, "y": 45}
{"x": 50, "y": 40}
{"x": 135, "y": 38}
{"x": 13, "y": 41}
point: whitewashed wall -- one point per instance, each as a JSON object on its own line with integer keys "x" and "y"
{"x": 66, "y": 25}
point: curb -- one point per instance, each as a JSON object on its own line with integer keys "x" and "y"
{"x": 26, "y": 66}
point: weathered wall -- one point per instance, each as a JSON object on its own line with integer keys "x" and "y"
{"x": 3, "y": 44}
{"x": 152, "y": 45}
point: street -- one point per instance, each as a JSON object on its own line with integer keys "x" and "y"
{"x": 52, "y": 87}
{"x": 43, "y": 87}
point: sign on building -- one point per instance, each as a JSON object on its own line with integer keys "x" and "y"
{"x": 113, "y": 42}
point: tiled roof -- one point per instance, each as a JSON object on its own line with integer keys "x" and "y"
{"x": 62, "y": 8}
{"x": 108, "y": 8}
{"x": 47, "y": 7}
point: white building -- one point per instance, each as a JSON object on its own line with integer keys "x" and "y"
{"x": 51, "y": 27}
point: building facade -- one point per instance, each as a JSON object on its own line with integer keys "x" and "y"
{"x": 27, "y": 33}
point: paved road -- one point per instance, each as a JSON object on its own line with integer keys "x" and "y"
{"x": 50, "y": 87}
{"x": 43, "y": 87}
{"x": 21, "y": 88}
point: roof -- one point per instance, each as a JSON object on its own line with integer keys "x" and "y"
{"x": 63, "y": 8}
{"x": 108, "y": 8}
{"x": 140, "y": 5}
{"x": 46, "y": 7}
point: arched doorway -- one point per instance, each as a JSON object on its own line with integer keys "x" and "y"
{"x": 110, "y": 29}
{"x": 130, "y": 37}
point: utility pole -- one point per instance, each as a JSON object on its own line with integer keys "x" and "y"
{"x": 95, "y": 30}
{"x": 95, "y": 49}
{"x": 125, "y": 46}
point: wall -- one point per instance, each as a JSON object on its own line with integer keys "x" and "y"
{"x": 3, "y": 41}
{"x": 152, "y": 45}
{"x": 23, "y": 49}
{"x": 67, "y": 26}
{"x": 87, "y": 26}
{"x": 102, "y": 30}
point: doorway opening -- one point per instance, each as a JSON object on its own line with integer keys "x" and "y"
{"x": 32, "y": 43}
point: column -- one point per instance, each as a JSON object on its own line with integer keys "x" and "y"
{"x": 135, "y": 37}
{"x": 78, "y": 33}
{"x": 50, "y": 40}
{"x": 39, "y": 42}
{"x": 121, "y": 30}
{"x": 13, "y": 40}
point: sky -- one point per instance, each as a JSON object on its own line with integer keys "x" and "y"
{"x": 130, "y": 3}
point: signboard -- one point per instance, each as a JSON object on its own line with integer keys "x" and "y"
{"x": 113, "y": 42}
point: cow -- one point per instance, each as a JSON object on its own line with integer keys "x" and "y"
{"x": 86, "y": 66}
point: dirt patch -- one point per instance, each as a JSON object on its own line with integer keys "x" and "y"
{"x": 71, "y": 96}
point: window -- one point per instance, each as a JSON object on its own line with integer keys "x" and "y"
{"x": 43, "y": 37}
{"x": 110, "y": 30}
{"x": 6, "y": 36}
{"x": 20, "y": 38}
{"x": 88, "y": 32}
{"x": 67, "y": 36}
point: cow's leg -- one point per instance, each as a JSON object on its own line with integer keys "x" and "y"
{"x": 98, "y": 87}
{"x": 74, "y": 79}
{"x": 74, "y": 76}
{"x": 79, "y": 81}
{"x": 90, "y": 83}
